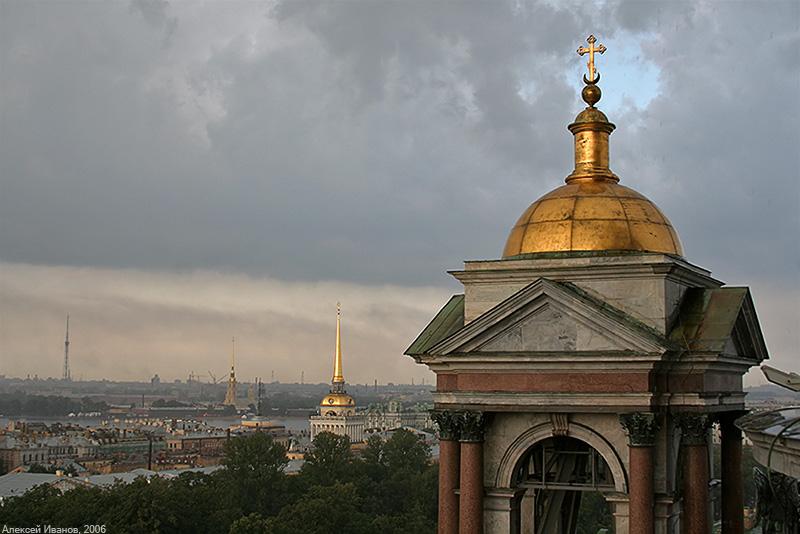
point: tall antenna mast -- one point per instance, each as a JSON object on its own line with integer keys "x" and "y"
{"x": 65, "y": 375}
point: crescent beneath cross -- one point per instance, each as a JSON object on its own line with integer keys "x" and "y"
{"x": 593, "y": 82}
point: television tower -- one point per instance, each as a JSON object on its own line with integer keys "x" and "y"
{"x": 65, "y": 376}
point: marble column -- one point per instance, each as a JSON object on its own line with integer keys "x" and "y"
{"x": 694, "y": 441}
{"x": 449, "y": 469}
{"x": 642, "y": 428}
{"x": 732, "y": 475}
{"x": 470, "y": 517}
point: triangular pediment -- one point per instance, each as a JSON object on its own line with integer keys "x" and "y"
{"x": 553, "y": 317}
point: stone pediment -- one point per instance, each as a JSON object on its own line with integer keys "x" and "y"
{"x": 553, "y": 317}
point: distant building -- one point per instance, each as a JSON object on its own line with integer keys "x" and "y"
{"x": 26, "y": 446}
{"x": 337, "y": 411}
{"x": 392, "y": 415}
{"x": 195, "y": 448}
{"x": 15, "y": 452}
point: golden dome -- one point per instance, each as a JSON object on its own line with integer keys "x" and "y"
{"x": 592, "y": 213}
{"x": 338, "y": 399}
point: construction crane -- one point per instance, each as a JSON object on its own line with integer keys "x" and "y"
{"x": 195, "y": 378}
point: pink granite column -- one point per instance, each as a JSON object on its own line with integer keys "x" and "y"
{"x": 642, "y": 428}
{"x": 732, "y": 475}
{"x": 449, "y": 469}
{"x": 470, "y": 517}
{"x": 695, "y": 471}
{"x": 695, "y": 489}
{"x": 641, "y": 491}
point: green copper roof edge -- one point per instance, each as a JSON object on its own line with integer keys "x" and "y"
{"x": 449, "y": 319}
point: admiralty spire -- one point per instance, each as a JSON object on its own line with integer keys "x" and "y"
{"x": 337, "y": 411}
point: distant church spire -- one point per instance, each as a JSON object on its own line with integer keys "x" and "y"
{"x": 233, "y": 349}
{"x": 231, "y": 393}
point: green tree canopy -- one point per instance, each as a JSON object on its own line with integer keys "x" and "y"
{"x": 254, "y": 475}
{"x": 322, "y": 510}
{"x": 405, "y": 451}
{"x": 329, "y": 460}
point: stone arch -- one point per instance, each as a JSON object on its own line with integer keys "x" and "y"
{"x": 529, "y": 438}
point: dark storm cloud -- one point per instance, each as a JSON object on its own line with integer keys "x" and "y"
{"x": 369, "y": 141}
{"x": 372, "y": 129}
{"x": 718, "y": 142}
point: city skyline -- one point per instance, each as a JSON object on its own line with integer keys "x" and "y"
{"x": 174, "y": 175}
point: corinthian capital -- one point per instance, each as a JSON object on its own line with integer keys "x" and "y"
{"x": 694, "y": 427}
{"x": 472, "y": 426}
{"x": 641, "y": 427}
{"x": 448, "y": 422}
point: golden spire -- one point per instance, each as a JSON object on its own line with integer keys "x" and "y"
{"x": 337, "y": 363}
{"x": 591, "y": 50}
{"x": 591, "y": 128}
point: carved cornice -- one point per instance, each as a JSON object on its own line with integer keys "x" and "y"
{"x": 472, "y": 426}
{"x": 448, "y": 422}
{"x": 694, "y": 427}
{"x": 642, "y": 427}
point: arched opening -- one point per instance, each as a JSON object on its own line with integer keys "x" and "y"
{"x": 555, "y": 476}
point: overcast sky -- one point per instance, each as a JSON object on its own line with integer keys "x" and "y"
{"x": 174, "y": 174}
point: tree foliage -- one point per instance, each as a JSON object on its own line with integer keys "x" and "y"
{"x": 405, "y": 451}
{"x": 253, "y": 475}
{"x": 329, "y": 460}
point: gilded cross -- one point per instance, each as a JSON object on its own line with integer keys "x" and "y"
{"x": 591, "y": 50}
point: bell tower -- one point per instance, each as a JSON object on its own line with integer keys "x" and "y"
{"x": 592, "y": 358}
